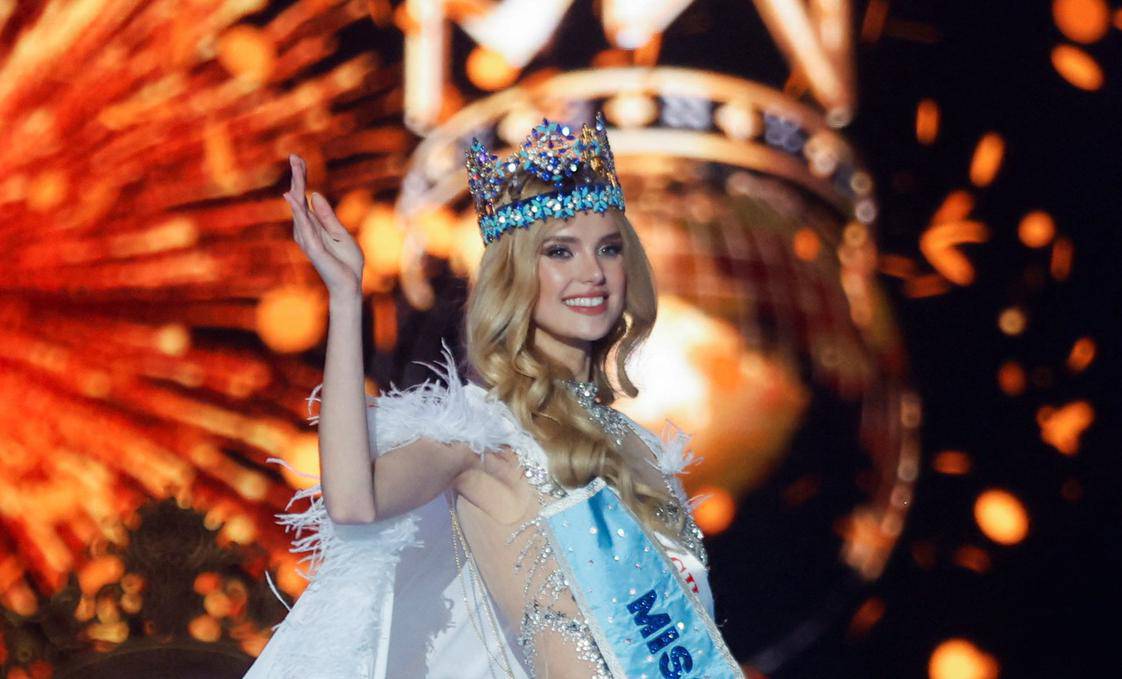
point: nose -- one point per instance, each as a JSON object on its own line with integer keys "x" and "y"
{"x": 592, "y": 271}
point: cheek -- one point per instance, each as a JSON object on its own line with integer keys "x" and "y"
{"x": 549, "y": 285}
{"x": 618, "y": 276}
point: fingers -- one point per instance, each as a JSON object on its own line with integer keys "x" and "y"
{"x": 307, "y": 223}
{"x": 320, "y": 227}
{"x": 302, "y": 230}
{"x": 302, "y": 226}
{"x": 325, "y": 214}
{"x": 299, "y": 175}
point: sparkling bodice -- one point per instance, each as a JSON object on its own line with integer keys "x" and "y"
{"x": 528, "y": 586}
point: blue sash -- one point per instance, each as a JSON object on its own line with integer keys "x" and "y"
{"x": 644, "y": 619}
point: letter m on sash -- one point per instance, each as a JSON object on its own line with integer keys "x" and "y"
{"x": 641, "y": 607}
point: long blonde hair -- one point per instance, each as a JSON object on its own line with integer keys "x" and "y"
{"x": 499, "y": 331}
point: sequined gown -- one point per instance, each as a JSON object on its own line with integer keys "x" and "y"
{"x": 402, "y": 597}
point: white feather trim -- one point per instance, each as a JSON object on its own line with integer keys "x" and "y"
{"x": 674, "y": 453}
{"x": 443, "y": 412}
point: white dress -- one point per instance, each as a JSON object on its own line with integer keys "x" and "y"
{"x": 384, "y": 599}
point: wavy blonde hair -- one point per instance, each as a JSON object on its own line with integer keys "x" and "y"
{"x": 500, "y": 348}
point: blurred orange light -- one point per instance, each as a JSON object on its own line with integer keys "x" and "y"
{"x": 247, "y": 53}
{"x": 1062, "y": 427}
{"x": 112, "y": 632}
{"x": 132, "y": 602}
{"x": 1082, "y": 353}
{"x": 382, "y": 241}
{"x": 972, "y": 558}
{"x": 630, "y": 109}
{"x": 897, "y": 265}
{"x": 439, "y": 228}
{"x": 47, "y": 191}
{"x": 205, "y": 628}
{"x": 988, "y": 156}
{"x": 938, "y": 243}
{"x": 132, "y": 583}
{"x": 1012, "y": 321}
{"x": 99, "y": 572}
{"x": 952, "y": 462}
{"x": 1011, "y": 378}
{"x": 385, "y": 319}
{"x": 216, "y": 603}
{"x": 927, "y": 285}
{"x": 240, "y": 528}
{"x": 956, "y": 206}
{"x": 927, "y": 121}
{"x": 206, "y": 582}
{"x": 302, "y": 452}
{"x": 353, "y": 207}
{"x": 85, "y": 609}
{"x": 868, "y": 614}
{"x": 489, "y": 70}
{"x": 716, "y": 512}
{"x": 961, "y": 659}
{"x": 173, "y": 339}
{"x": 254, "y": 644}
{"x": 292, "y": 318}
{"x": 288, "y": 577}
{"x": 1001, "y": 516}
{"x": 20, "y": 599}
{"x": 1083, "y": 21}
{"x": 1036, "y": 229}
{"x": 1062, "y": 252}
{"x": 806, "y": 244}
{"x": 1077, "y": 67}
{"x": 107, "y": 609}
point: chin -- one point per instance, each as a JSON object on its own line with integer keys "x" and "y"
{"x": 581, "y": 332}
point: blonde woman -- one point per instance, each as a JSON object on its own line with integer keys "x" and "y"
{"x": 515, "y": 525}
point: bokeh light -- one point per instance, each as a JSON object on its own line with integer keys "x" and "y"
{"x": 1001, "y": 516}
{"x": 961, "y": 659}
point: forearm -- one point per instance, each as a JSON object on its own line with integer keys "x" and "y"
{"x": 344, "y": 446}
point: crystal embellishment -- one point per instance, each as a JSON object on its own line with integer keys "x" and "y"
{"x": 613, "y": 422}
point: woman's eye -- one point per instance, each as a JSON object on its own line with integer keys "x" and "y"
{"x": 613, "y": 249}
{"x": 556, "y": 252}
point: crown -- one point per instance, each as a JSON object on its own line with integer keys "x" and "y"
{"x": 580, "y": 168}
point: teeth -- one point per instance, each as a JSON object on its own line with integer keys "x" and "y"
{"x": 585, "y": 301}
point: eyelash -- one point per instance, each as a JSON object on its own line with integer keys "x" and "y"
{"x": 617, "y": 249}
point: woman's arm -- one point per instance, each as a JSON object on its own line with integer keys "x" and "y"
{"x": 346, "y": 475}
{"x": 358, "y": 487}
{"x": 355, "y": 489}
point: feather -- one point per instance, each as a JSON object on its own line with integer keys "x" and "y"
{"x": 674, "y": 453}
{"x": 443, "y": 410}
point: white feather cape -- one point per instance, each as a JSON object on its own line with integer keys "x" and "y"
{"x": 400, "y": 573}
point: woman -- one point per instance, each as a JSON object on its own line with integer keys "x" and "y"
{"x": 517, "y": 525}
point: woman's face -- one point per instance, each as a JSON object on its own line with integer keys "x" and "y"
{"x": 582, "y": 280}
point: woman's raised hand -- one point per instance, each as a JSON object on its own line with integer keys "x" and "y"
{"x": 323, "y": 238}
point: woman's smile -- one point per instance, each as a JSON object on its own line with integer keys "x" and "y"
{"x": 590, "y": 306}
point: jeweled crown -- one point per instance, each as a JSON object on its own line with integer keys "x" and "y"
{"x": 580, "y": 168}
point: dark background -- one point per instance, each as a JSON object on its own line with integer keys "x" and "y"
{"x": 1044, "y": 608}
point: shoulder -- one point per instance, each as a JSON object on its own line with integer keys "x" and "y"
{"x": 444, "y": 409}
{"x": 521, "y": 441}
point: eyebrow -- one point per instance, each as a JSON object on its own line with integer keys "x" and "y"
{"x": 574, "y": 239}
